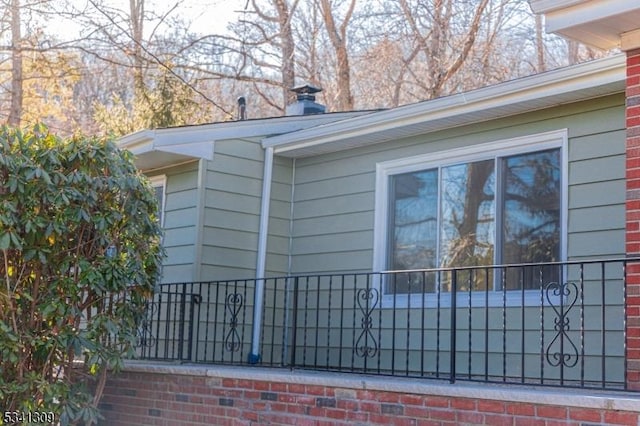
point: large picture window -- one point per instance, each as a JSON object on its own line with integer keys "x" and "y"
{"x": 500, "y": 205}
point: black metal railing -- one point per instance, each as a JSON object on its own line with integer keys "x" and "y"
{"x": 556, "y": 324}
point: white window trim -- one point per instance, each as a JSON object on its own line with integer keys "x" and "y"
{"x": 160, "y": 181}
{"x": 491, "y": 150}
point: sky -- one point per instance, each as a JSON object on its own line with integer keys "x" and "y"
{"x": 206, "y": 16}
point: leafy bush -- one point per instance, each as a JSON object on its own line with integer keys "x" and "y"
{"x": 79, "y": 257}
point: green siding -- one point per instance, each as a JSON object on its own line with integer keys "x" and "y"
{"x": 280, "y": 218}
{"x": 335, "y": 192}
{"x": 179, "y": 222}
{"x": 233, "y": 186}
{"x": 233, "y": 191}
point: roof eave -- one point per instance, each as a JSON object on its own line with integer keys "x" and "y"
{"x": 492, "y": 102}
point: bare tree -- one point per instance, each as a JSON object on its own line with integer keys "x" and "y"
{"x": 338, "y": 36}
{"x": 15, "y": 111}
{"x": 282, "y": 40}
{"x": 445, "y": 32}
{"x": 542, "y": 65}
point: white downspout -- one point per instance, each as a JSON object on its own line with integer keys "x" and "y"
{"x": 263, "y": 233}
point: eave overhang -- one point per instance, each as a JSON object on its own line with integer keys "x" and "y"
{"x": 154, "y": 149}
{"x": 566, "y": 85}
{"x": 600, "y": 23}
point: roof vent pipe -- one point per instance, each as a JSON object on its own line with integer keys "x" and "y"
{"x": 305, "y": 103}
{"x": 242, "y": 108}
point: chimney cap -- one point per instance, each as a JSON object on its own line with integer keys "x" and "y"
{"x": 306, "y": 89}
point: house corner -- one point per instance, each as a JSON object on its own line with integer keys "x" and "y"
{"x": 632, "y": 236}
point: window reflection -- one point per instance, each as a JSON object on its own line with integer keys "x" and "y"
{"x": 531, "y": 222}
{"x": 446, "y": 217}
{"x": 415, "y": 229}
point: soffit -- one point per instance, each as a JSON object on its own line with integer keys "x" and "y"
{"x": 599, "y": 23}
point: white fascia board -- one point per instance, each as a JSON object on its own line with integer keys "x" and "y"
{"x": 553, "y": 86}
{"x": 151, "y": 143}
{"x": 138, "y": 138}
{"x": 247, "y": 128}
{"x": 546, "y": 6}
{"x": 192, "y": 149}
{"x": 192, "y": 142}
{"x": 586, "y": 12}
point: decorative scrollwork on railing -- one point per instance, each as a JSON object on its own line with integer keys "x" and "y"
{"x": 556, "y": 352}
{"x": 366, "y": 345}
{"x": 233, "y": 304}
{"x": 144, "y": 335}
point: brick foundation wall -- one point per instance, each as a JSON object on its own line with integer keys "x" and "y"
{"x": 204, "y": 397}
{"x": 633, "y": 217}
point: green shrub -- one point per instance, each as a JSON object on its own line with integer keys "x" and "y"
{"x": 79, "y": 257}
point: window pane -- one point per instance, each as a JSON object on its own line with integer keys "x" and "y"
{"x": 159, "y": 191}
{"x": 414, "y": 209}
{"x": 468, "y": 219}
{"x": 531, "y": 218}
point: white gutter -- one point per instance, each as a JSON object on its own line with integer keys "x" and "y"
{"x": 538, "y": 91}
{"x": 263, "y": 233}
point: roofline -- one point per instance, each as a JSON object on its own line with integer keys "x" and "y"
{"x": 553, "y": 86}
{"x": 233, "y": 129}
{"x": 546, "y": 6}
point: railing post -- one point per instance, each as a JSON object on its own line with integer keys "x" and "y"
{"x": 454, "y": 325}
{"x": 294, "y": 322}
{"x": 183, "y": 302}
{"x": 195, "y": 301}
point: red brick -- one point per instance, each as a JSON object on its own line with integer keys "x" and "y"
{"x": 633, "y": 121}
{"x": 620, "y": 418}
{"x": 422, "y": 422}
{"x": 368, "y": 395}
{"x": 388, "y": 397}
{"x": 370, "y": 407}
{"x": 447, "y": 415}
{"x": 378, "y": 419}
{"x": 305, "y": 400}
{"x": 416, "y": 411}
{"x": 469, "y": 417}
{"x": 520, "y": 409}
{"x": 496, "y": 420}
{"x": 551, "y": 412}
{"x": 354, "y": 416}
{"x": 336, "y": 414}
{"x": 633, "y": 91}
{"x": 295, "y": 388}
{"x": 486, "y": 406}
{"x": 407, "y": 399}
{"x": 348, "y": 404}
{"x": 278, "y": 387}
{"x": 286, "y": 397}
{"x": 315, "y": 390}
{"x": 463, "y": 404}
{"x": 297, "y": 409}
{"x": 316, "y": 411}
{"x": 632, "y": 68}
{"x": 261, "y": 385}
{"x": 436, "y": 401}
{"x": 585, "y": 414}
